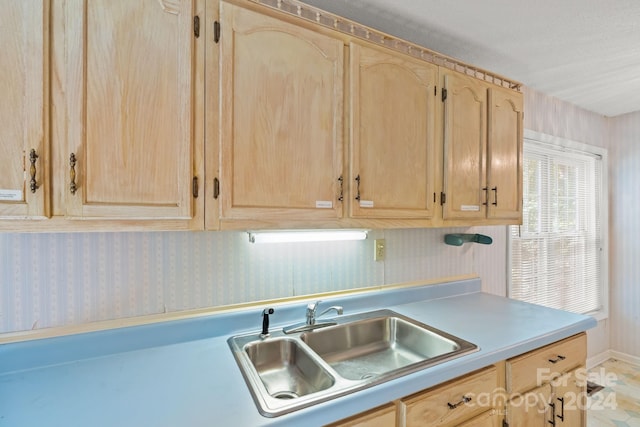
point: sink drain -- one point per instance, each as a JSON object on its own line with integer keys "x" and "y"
{"x": 285, "y": 395}
{"x": 368, "y": 375}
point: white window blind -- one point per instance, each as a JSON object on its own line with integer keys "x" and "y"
{"x": 557, "y": 253}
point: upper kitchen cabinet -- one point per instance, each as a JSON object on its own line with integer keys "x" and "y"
{"x": 482, "y": 151}
{"x": 504, "y": 154}
{"x": 24, "y": 150}
{"x": 393, "y": 110}
{"x": 130, "y": 105}
{"x": 281, "y": 120}
{"x": 465, "y": 146}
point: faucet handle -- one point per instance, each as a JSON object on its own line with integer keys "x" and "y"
{"x": 313, "y": 306}
{"x": 311, "y": 312}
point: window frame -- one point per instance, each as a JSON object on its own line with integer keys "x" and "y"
{"x": 568, "y": 145}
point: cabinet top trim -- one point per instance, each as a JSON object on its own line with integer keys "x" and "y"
{"x": 329, "y": 20}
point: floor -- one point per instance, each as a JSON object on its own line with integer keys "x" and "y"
{"x": 618, "y": 403}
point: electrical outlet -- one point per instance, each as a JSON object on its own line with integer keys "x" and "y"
{"x": 379, "y": 250}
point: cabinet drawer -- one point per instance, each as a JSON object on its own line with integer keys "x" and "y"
{"x": 539, "y": 366}
{"x": 445, "y": 404}
{"x": 487, "y": 419}
{"x": 384, "y": 416}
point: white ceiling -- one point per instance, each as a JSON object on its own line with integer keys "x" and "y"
{"x": 586, "y": 52}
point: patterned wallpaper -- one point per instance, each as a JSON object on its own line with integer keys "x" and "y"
{"x": 65, "y": 279}
{"x": 624, "y": 267}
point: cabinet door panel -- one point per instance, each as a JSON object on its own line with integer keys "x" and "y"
{"x": 130, "y": 106}
{"x": 465, "y": 144}
{"x": 392, "y": 133}
{"x": 434, "y": 407}
{"x": 23, "y": 36}
{"x": 282, "y": 105}
{"x": 570, "y": 398}
{"x": 487, "y": 419}
{"x": 380, "y": 417}
{"x": 504, "y": 154}
{"x": 530, "y": 409}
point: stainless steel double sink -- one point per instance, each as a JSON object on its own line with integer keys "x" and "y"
{"x": 287, "y": 372}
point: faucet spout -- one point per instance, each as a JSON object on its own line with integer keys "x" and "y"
{"x": 311, "y": 320}
{"x": 339, "y": 310}
{"x": 312, "y": 308}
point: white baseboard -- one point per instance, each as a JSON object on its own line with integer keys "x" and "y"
{"x": 632, "y": 360}
{"x": 598, "y": 359}
{"x": 612, "y": 354}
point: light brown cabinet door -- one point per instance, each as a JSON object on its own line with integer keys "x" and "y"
{"x": 569, "y": 398}
{"x": 530, "y": 409}
{"x": 392, "y": 134}
{"x": 504, "y": 154}
{"x": 451, "y": 403}
{"x": 23, "y": 85}
{"x": 282, "y": 107}
{"x": 490, "y": 418}
{"x": 465, "y": 147}
{"x": 130, "y": 101}
{"x": 380, "y": 417}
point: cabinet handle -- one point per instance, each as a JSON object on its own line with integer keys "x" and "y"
{"x": 465, "y": 399}
{"x": 561, "y": 416}
{"x": 194, "y": 187}
{"x": 32, "y": 171}
{"x": 358, "y": 188}
{"x": 557, "y": 359}
{"x": 341, "y": 181}
{"x": 495, "y": 196}
{"x": 216, "y": 188}
{"x": 72, "y": 173}
{"x": 486, "y": 196}
{"x": 553, "y": 414}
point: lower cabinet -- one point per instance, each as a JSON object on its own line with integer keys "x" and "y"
{"x": 547, "y": 386}
{"x": 491, "y": 418}
{"x": 544, "y": 387}
{"x": 451, "y": 403}
{"x": 384, "y": 416}
{"x": 530, "y": 408}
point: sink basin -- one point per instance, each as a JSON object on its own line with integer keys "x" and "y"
{"x": 372, "y": 347}
{"x": 287, "y": 372}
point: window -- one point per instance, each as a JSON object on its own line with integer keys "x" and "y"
{"x": 559, "y": 253}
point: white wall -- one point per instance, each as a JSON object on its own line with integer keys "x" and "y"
{"x": 624, "y": 198}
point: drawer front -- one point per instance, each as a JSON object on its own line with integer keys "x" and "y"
{"x": 488, "y": 419}
{"x": 380, "y": 417}
{"x": 540, "y": 366}
{"x": 452, "y": 403}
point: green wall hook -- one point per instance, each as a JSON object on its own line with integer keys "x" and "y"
{"x": 459, "y": 239}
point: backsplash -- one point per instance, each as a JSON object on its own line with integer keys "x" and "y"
{"x": 51, "y": 280}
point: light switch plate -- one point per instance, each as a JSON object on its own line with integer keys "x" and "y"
{"x": 379, "y": 250}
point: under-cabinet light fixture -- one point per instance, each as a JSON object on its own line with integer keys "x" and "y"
{"x": 288, "y": 236}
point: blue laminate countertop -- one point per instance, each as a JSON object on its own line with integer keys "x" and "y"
{"x": 182, "y": 372}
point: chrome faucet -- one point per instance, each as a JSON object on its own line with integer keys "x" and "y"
{"x": 313, "y": 307}
{"x": 312, "y": 322}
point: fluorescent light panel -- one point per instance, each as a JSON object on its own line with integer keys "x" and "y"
{"x": 288, "y": 236}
